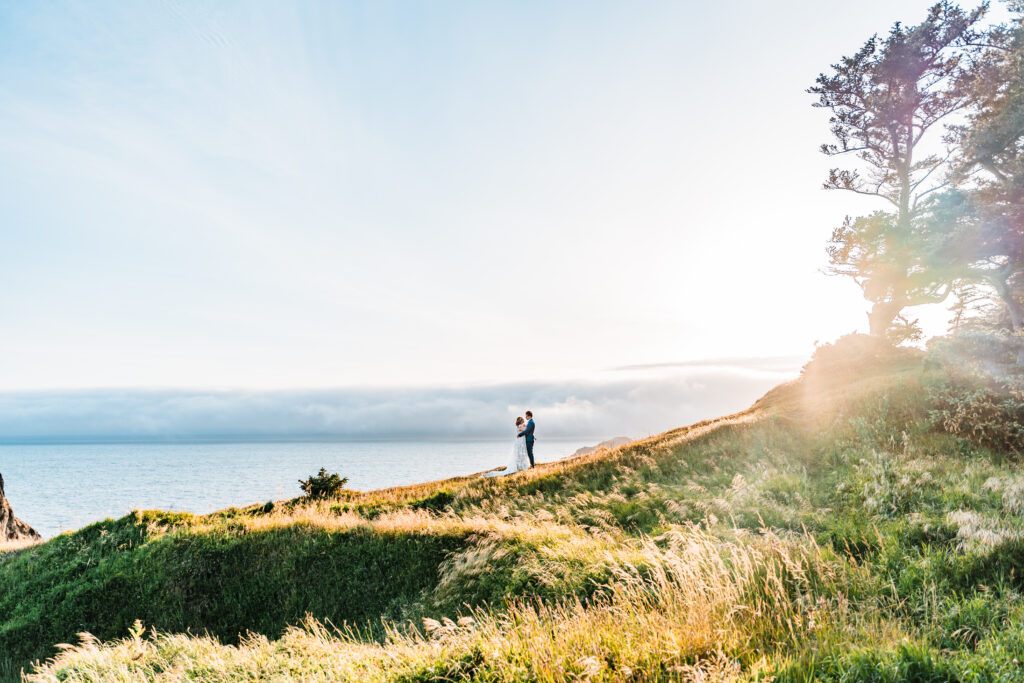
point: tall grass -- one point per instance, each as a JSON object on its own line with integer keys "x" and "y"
{"x": 695, "y": 607}
{"x": 833, "y": 532}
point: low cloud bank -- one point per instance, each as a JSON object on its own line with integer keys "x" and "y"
{"x": 634, "y": 401}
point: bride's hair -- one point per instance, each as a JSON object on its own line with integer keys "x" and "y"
{"x": 520, "y": 420}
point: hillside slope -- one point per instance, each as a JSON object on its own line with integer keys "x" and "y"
{"x": 843, "y": 528}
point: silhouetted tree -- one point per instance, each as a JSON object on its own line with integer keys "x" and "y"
{"x": 884, "y": 100}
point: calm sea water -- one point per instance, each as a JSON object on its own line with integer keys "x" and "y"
{"x": 59, "y": 487}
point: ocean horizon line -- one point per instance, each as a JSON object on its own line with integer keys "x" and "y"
{"x": 243, "y": 439}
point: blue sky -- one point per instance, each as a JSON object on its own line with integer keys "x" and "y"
{"x": 272, "y": 196}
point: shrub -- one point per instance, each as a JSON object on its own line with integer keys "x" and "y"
{"x": 990, "y": 416}
{"x": 856, "y": 355}
{"x": 980, "y": 351}
{"x": 981, "y": 396}
{"x": 323, "y": 485}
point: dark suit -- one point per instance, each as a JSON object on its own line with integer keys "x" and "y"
{"x": 528, "y": 435}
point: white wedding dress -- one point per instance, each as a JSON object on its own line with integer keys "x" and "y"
{"x": 520, "y": 460}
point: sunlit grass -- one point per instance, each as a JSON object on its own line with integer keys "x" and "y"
{"x": 829, "y": 533}
{"x": 12, "y": 546}
{"x": 692, "y": 599}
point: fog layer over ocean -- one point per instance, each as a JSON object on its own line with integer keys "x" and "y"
{"x": 635, "y": 401}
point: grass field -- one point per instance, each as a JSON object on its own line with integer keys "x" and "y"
{"x": 844, "y": 528}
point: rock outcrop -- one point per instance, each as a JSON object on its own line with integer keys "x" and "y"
{"x": 12, "y": 528}
{"x": 610, "y": 443}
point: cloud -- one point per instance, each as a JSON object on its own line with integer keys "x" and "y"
{"x": 773, "y": 363}
{"x": 633, "y": 402}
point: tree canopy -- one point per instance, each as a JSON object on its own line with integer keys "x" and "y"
{"x": 932, "y": 117}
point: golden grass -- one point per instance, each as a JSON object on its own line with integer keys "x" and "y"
{"x": 685, "y": 606}
{"x": 690, "y": 609}
{"x": 12, "y": 546}
{"x": 476, "y": 486}
{"x": 321, "y": 516}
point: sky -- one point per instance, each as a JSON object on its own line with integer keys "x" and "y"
{"x": 298, "y": 198}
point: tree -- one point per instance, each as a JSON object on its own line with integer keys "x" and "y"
{"x": 323, "y": 484}
{"x": 972, "y": 307}
{"x": 981, "y": 230}
{"x": 991, "y": 168}
{"x": 979, "y": 223}
{"x": 885, "y": 100}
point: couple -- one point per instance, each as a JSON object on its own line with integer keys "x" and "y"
{"x": 522, "y": 453}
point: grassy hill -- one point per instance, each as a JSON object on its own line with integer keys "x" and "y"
{"x": 863, "y": 523}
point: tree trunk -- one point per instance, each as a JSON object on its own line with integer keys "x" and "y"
{"x": 1016, "y": 324}
{"x": 884, "y": 312}
{"x": 881, "y": 316}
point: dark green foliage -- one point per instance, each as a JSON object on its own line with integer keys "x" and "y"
{"x": 436, "y": 501}
{"x": 980, "y": 396}
{"x": 464, "y": 668}
{"x": 323, "y": 485}
{"x": 983, "y": 413}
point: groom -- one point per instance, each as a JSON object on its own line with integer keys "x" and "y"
{"x": 528, "y": 435}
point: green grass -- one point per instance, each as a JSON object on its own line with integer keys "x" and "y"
{"x": 833, "y": 532}
{"x": 103, "y": 578}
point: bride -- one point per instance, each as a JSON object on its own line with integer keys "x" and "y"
{"x": 520, "y": 461}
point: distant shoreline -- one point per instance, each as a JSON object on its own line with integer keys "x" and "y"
{"x": 290, "y": 439}
{"x": 61, "y": 486}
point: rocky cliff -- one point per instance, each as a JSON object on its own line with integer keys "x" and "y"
{"x": 12, "y": 528}
{"x": 610, "y": 443}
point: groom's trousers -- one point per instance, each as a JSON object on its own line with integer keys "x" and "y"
{"x": 529, "y": 451}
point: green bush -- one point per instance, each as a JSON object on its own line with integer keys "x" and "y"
{"x": 323, "y": 485}
{"x": 988, "y": 414}
{"x": 979, "y": 396}
{"x": 856, "y": 355}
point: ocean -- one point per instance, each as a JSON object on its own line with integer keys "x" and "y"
{"x": 62, "y": 487}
